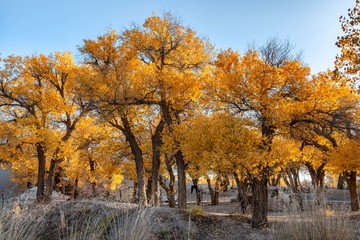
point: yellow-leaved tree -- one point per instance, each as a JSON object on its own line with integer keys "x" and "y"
{"x": 41, "y": 94}
{"x": 250, "y": 87}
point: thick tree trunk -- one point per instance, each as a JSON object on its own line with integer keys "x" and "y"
{"x": 141, "y": 197}
{"x": 260, "y": 201}
{"x": 50, "y": 180}
{"x": 156, "y": 144}
{"x": 351, "y": 181}
{"x": 40, "y": 194}
{"x": 137, "y": 153}
{"x": 182, "y": 199}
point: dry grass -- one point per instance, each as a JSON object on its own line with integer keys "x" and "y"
{"x": 90, "y": 221}
{"x": 316, "y": 224}
{"x": 18, "y": 224}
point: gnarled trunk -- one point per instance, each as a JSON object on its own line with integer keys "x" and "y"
{"x": 170, "y": 189}
{"x": 40, "y": 195}
{"x": 260, "y": 202}
{"x": 350, "y": 177}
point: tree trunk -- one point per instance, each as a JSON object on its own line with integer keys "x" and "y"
{"x": 242, "y": 187}
{"x": 135, "y": 192}
{"x": 214, "y": 193}
{"x": 156, "y": 144}
{"x": 137, "y": 153}
{"x": 41, "y": 172}
{"x": 317, "y": 175}
{"x": 351, "y": 181}
{"x": 50, "y": 180}
{"x": 217, "y": 191}
{"x": 275, "y": 180}
{"x": 75, "y": 192}
{"x": 260, "y": 202}
{"x": 341, "y": 182}
{"x": 148, "y": 190}
{"x": 197, "y": 190}
{"x": 181, "y": 180}
{"x": 170, "y": 190}
{"x": 211, "y": 191}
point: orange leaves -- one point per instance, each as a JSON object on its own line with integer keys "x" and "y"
{"x": 217, "y": 143}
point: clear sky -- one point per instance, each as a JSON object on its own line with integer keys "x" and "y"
{"x": 30, "y": 27}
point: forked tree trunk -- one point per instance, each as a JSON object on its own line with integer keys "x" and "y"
{"x": 351, "y": 181}
{"x": 41, "y": 172}
{"x": 214, "y": 192}
{"x": 170, "y": 189}
{"x": 317, "y": 175}
{"x": 260, "y": 202}
{"x": 317, "y": 180}
{"x": 181, "y": 180}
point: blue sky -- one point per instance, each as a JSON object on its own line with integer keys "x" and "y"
{"x": 30, "y": 27}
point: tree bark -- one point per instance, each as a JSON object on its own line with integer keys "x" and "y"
{"x": 40, "y": 194}
{"x": 137, "y": 153}
{"x": 156, "y": 144}
{"x": 170, "y": 189}
{"x": 135, "y": 192}
{"x": 260, "y": 201}
{"x": 182, "y": 199}
{"x": 351, "y": 181}
{"x": 50, "y": 180}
